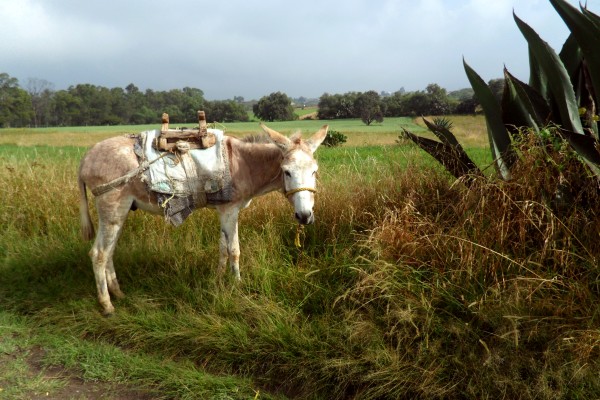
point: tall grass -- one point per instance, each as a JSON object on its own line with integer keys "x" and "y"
{"x": 408, "y": 285}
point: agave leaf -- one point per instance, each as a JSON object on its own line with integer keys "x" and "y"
{"x": 443, "y": 134}
{"x": 594, "y": 18}
{"x": 500, "y": 143}
{"x": 537, "y": 78}
{"x": 571, "y": 56}
{"x": 578, "y": 71}
{"x": 583, "y": 26}
{"x": 455, "y": 160}
{"x": 558, "y": 78}
{"x": 587, "y": 148}
{"x": 514, "y": 111}
{"x": 522, "y": 105}
{"x": 572, "y": 59}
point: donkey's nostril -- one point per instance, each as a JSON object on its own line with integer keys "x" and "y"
{"x": 304, "y": 218}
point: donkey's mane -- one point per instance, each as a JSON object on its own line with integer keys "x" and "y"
{"x": 256, "y": 139}
{"x": 296, "y": 137}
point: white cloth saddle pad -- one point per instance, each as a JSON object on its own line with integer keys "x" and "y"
{"x": 197, "y": 171}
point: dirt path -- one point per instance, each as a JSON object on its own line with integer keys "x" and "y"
{"x": 56, "y": 383}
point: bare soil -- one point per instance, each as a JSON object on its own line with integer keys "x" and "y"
{"x": 73, "y": 387}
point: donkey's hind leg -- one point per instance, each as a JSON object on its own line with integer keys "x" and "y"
{"x": 111, "y": 218}
{"x": 111, "y": 280}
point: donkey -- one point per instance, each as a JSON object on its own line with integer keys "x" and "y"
{"x": 285, "y": 164}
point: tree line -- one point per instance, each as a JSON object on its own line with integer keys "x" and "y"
{"x": 38, "y": 105}
{"x": 85, "y": 104}
{"x": 372, "y": 107}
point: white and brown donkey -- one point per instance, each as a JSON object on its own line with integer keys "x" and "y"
{"x": 285, "y": 164}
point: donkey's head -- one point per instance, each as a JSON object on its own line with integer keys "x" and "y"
{"x": 299, "y": 170}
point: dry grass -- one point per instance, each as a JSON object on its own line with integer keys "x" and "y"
{"x": 499, "y": 281}
{"x": 470, "y": 130}
{"x": 409, "y": 285}
{"x": 80, "y": 137}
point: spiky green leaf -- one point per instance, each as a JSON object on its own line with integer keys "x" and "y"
{"x": 594, "y": 18}
{"x": 583, "y": 26}
{"x": 537, "y": 78}
{"x": 444, "y": 134}
{"x": 558, "y": 78}
{"x": 522, "y": 105}
{"x": 571, "y": 56}
{"x": 500, "y": 143}
{"x": 454, "y": 159}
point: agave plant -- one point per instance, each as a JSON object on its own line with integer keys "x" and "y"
{"x": 563, "y": 91}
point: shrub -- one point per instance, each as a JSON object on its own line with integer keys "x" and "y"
{"x": 334, "y": 139}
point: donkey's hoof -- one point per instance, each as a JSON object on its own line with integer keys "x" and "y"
{"x": 108, "y": 311}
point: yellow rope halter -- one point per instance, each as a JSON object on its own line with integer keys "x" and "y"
{"x": 299, "y": 230}
{"x": 300, "y": 189}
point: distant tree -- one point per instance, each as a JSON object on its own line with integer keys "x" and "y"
{"x": 438, "y": 101}
{"x": 87, "y": 104}
{"x": 65, "y": 108}
{"x": 15, "y": 103}
{"x": 145, "y": 115}
{"x": 192, "y": 101}
{"x": 328, "y": 106}
{"x": 395, "y": 105}
{"x": 225, "y": 111}
{"x": 94, "y": 106}
{"x": 497, "y": 88}
{"x": 120, "y": 112}
{"x": 300, "y": 101}
{"x": 462, "y": 94}
{"x": 369, "y": 108}
{"x": 136, "y": 105}
{"x": 175, "y": 114}
{"x": 417, "y": 103}
{"x": 274, "y": 107}
{"x": 347, "y": 107}
{"x": 467, "y": 106}
{"x": 40, "y": 92}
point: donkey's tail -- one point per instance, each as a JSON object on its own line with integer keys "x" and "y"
{"x": 87, "y": 227}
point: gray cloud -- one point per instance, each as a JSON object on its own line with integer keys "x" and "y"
{"x": 240, "y": 48}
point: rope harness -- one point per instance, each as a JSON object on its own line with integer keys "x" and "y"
{"x": 300, "y": 189}
{"x": 107, "y": 187}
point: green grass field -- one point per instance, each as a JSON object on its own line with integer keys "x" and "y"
{"x": 359, "y": 134}
{"x": 408, "y": 285}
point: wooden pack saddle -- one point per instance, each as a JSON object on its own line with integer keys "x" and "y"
{"x": 195, "y": 138}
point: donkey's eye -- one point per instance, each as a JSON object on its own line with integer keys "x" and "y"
{"x": 314, "y": 173}
{"x": 287, "y": 173}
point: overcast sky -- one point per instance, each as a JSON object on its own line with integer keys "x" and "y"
{"x": 249, "y": 48}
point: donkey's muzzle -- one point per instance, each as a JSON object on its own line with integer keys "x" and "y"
{"x": 305, "y": 218}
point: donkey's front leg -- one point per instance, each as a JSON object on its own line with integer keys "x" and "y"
{"x": 229, "y": 245}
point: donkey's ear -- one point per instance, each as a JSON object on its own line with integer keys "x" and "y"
{"x": 283, "y": 142}
{"x": 317, "y": 138}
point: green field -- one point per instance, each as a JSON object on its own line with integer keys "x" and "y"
{"x": 408, "y": 285}
{"x": 359, "y": 134}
